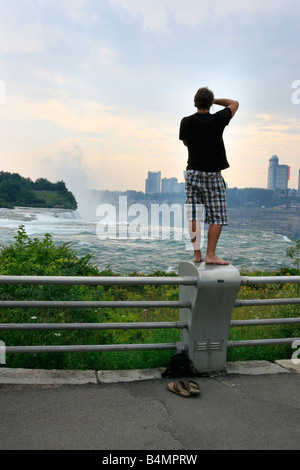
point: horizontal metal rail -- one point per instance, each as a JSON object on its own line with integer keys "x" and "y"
{"x": 266, "y": 321}
{"x": 99, "y": 280}
{"x": 90, "y": 348}
{"x": 93, "y": 304}
{"x": 91, "y": 326}
{"x": 260, "y": 302}
{"x": 252, "y": 280}
{"x": 260, "y": 342}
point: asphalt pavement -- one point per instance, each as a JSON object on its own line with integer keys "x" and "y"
{"x": 253, "y": 406}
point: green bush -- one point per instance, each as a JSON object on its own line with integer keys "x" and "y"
{"x": 294, "y": 253}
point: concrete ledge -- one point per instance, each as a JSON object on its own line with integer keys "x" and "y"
{"x": 46, "y": 377}
{"x": 254, "y": 368}
{"x": 288, "y": 364}
{"x": 74, "y": 377}
{"x": 110, "y": 376}
{"x": 79, "y": 377}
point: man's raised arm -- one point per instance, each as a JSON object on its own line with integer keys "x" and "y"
{"x": 233, "y": 105}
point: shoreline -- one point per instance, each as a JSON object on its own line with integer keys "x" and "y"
{"x": 284, "y": 222}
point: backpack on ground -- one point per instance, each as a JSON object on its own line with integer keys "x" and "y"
{"x": 180, "y": 366}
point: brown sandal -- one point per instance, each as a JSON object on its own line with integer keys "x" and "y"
{"x": 179, "y": 388}
{"x": 192, "y": 387}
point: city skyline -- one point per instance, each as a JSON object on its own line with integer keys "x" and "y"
{"x": 154, "y": 183}
{"x": 278, "y": 177}
{"x": 93, "y": 91}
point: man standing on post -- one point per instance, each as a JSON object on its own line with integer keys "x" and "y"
{"x": 202, "y": 133}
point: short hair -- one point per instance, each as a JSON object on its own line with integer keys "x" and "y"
{"x": 204, "y": 98}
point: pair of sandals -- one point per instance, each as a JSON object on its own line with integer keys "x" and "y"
{"x": 185, "y": 389}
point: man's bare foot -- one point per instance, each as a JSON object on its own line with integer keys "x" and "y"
{"x": 197, "y": 256}
{"x": 198, "y": 260}
{"x": 215, "y": 260}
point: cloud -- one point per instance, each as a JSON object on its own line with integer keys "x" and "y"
{"x": 39, "y": 24}
{"x": 80, "y": 11}
{"x": 17, "y": 37}
{"x": 26, "y": 30}
{"x": 103, "y": 58}
{"x": 113, "y": 78}
{"x": 154, "y": 17}
{"x": 158, "y": 15}
{"x": 74, "y": 9}
{"x": 91, "y": 117}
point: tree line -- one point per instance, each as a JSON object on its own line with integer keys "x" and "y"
{"x": 259, "y": 197}
{"x": 15, "y": 190}
{"x": 236, "y": 197}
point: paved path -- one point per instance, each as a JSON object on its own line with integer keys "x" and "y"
{"x": 253, "y": 406}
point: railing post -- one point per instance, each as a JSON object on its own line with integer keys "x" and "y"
{"x": 212, "y": 302}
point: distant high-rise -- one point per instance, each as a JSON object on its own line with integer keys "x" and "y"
{"x": 273, "y": 164}
{"x": 299, "y": 181}
{"x": 167, "y": 185}
{"x": 171, "y": 185}
{"x": 153, "y": 182}
{"x": 278, "y": 175}
{"x": 282, "y": 176}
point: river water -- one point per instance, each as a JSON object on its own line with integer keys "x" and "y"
{"x": 126, "y": 248}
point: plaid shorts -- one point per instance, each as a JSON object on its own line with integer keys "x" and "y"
{"x": 206, "y": 190}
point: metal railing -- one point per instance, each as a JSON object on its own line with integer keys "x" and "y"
{"x": 250, "y": 281}
{"x": 93, "y": 281}
{"x": 207, "y": 297}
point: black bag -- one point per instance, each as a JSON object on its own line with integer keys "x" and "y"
{"x": 180, "y": 366}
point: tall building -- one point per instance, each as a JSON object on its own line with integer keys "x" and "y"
{"x": 282, "y": 176}
{"x": 167, "y": 184}
{"x": 273, "y": 164}
{"x": 299, "y": 181}
{"x": 278, "y": 175}
{"x": 171, "y": 185}
{"x": 153, "y": 182}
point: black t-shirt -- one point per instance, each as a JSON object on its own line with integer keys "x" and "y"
{"x": 204, "y": 136}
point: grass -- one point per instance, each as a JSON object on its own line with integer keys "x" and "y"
{"x": 54, "y": 199}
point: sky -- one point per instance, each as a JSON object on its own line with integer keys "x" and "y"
{"x": 93, "y": 91}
